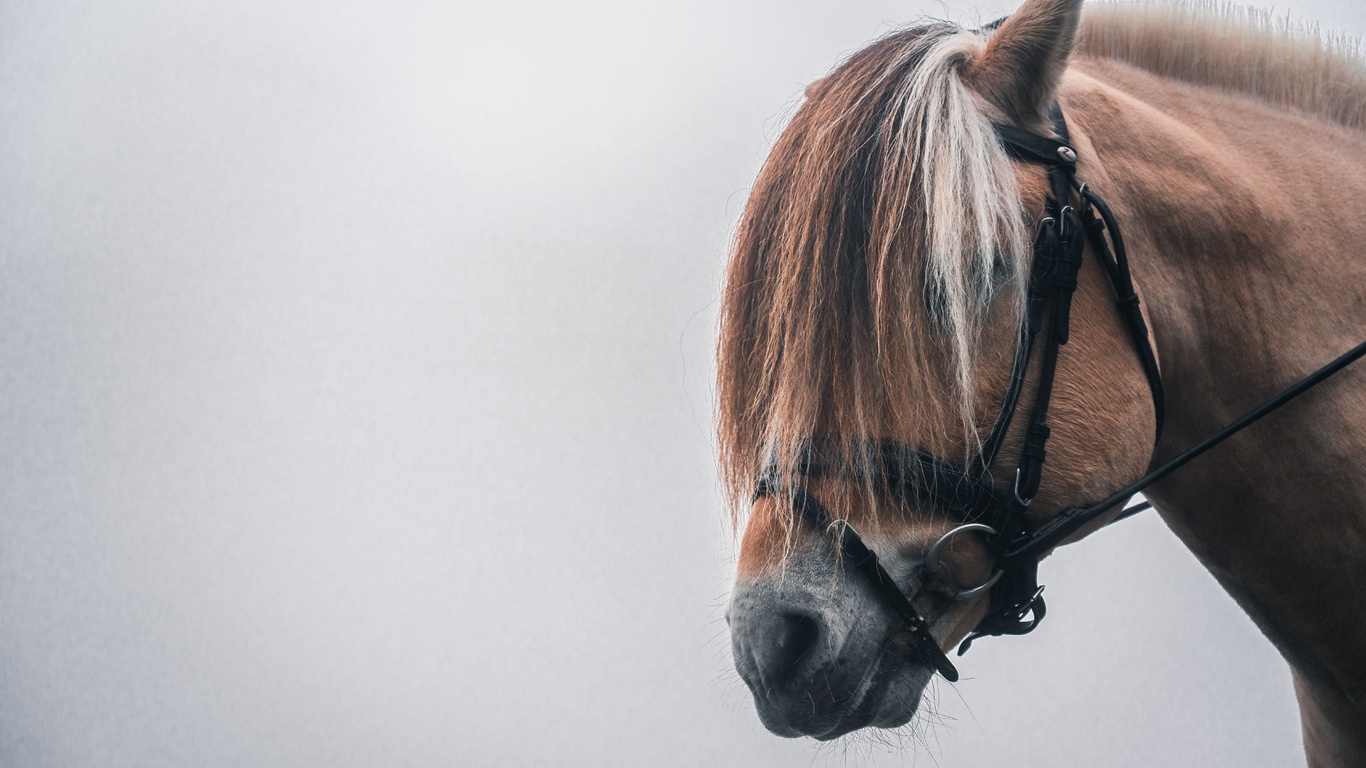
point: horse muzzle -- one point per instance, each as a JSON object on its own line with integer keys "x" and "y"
{"x": 818, "y": 664}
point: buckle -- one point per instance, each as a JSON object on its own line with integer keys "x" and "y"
{"x": 1016, "y": 491}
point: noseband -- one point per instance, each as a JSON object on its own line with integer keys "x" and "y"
{"x": 1074, "y": 216}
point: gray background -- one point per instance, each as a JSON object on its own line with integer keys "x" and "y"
{"x": 355, "y": 405}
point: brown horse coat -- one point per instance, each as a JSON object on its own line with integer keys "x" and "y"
{"x": 1234, "y": 155}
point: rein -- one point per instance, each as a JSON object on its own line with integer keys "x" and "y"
{"x": 969, "y": 495}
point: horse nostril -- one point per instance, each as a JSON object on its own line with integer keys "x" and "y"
{"x": 781, "y": 640}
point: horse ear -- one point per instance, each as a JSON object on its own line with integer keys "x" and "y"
{"x": 1020, "y": 66}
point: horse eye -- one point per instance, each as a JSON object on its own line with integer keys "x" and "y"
{"x": 1002, "y": 271}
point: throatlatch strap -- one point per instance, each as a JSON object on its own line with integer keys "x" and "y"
{"x": 1126, "y": 297}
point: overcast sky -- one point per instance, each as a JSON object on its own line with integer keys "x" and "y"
{"x": 355, "y": 405}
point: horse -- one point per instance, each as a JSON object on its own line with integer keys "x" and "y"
{"x": 878, "y": 290}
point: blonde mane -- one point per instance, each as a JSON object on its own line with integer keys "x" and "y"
{"x": 884, "y": 225}
{"x": 1235, "y": 49}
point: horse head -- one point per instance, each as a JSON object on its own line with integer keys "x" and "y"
{"x": 876, "y": 294}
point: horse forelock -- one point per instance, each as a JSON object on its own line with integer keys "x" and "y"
{"x": 884, "y": 225}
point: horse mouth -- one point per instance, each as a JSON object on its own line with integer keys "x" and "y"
{"x": 823, "y": 708}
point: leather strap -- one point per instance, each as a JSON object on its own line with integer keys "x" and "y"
{"x": 1033, "y": 148}
{"x": 866, "y": 563}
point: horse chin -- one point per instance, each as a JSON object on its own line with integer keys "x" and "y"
{"x": 882, "y": 716}
{"x": 893, "y": 700}
{"x": 887, "y": 706}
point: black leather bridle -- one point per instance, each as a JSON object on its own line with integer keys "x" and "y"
{"x": 1074, "y": 216}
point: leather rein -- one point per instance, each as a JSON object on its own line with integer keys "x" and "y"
{"x": 1074, "y": 216}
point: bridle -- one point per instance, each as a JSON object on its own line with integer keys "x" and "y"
{"x": 1074, "y": 216}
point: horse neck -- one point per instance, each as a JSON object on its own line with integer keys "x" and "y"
{"x": 1245, "y": 226}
